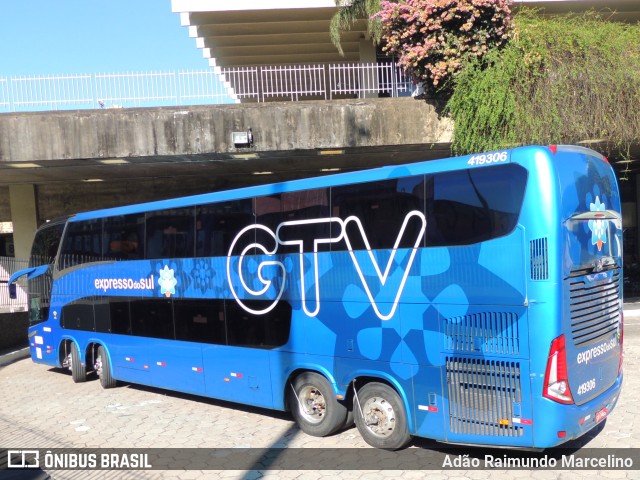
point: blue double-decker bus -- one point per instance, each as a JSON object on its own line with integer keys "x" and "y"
{"x": 471, "y": 300}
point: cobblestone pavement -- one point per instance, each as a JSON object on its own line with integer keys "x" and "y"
{"x": 43, "y": 408}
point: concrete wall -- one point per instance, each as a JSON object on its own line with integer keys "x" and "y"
{"x": 94, "y": 134}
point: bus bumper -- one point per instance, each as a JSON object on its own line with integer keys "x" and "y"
{"x": 557, "y": 424}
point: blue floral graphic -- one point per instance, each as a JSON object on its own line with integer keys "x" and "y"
{"x": 598, "y": 227}
{"x": 202, "y": 274}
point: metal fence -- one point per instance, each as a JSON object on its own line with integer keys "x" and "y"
{"x": 9, "y": 265}
{"x": 219, "y": 86}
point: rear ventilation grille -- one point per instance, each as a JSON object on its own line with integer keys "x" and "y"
{"x": 482, "y": 396}
{"x": 539, "y": 259}
{"x": 486, "y": 332}
{"x": 595, "y": 307}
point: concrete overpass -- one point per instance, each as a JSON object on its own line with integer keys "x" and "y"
{"x": 255, "y": 32}
{"x": 57, "y": 163}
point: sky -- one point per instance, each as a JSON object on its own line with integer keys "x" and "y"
{"x": 47, "y": 37}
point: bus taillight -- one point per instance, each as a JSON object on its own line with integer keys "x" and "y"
{"x": 556, "y": 379}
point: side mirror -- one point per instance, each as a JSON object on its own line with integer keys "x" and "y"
{"x": 13, "y": 294}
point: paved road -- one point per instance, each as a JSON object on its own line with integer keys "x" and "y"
{"x": 43, "y": 408}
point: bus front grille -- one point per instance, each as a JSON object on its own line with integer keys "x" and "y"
{"x": 486, "y": 332}
{"x": 484, "y": 396}
{"x": 595, "y": 307}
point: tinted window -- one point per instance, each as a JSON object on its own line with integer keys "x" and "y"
{"x": 170, "y": 233}
{"x": 78, "y": 315}
{"x": 218, "y": 224}
{"x": 45, "y": 244}
{"x": 298, "y": 208}
{"x": 120, "y": 315}
{"x": 213, "y": 321}
{"x": 269, "y": 330}
{"x": 474, "y": 205}
{"x": 381, "y": 208}
{"x": 152, "y": 317}
{"x": 102, "y": 314}
{"x": 82, "y": 243}
{"x": 124, "y": 237}
{"x": 200, "y": 321}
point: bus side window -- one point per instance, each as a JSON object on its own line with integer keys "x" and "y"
{"x": 124, "y": 235}
{"x": 474, "y": 205}
{"x": 82, "y": 243}
{"x": 170, "y": 233}
{"x": 152, "y": 318}
{"x": 381, "y": 208}
{"x": 120, "y": 316}
{"x": 302, "y": 206}
{"x": 217, "y": 225}
{"x": 200, "y": 320}
{"x": 270, "y": 330}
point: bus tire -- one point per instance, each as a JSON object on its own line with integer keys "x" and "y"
{"x": 78, "y": 370}
{"x": 314, "y": 406}
{"x": 103, "y": 369}
{"x": 380, "y": 417}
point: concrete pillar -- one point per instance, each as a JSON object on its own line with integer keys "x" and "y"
{"x": 24, "y": 215}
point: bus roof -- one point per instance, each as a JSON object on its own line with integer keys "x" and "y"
{"x": 379, "y": 173}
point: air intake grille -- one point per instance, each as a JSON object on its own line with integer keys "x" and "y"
{"x": 482, "y": 394}
{"x": 595, "y": 307}
{"x": 487, "y": 332}
{"x": 539, "y": 259}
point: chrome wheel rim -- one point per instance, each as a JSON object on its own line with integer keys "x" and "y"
{"x": 313, "y": 405}
{"x": 379, "y": 417}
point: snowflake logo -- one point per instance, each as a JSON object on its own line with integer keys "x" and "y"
{"x": 598, "y": 227}
{"x": 167, "y": 281}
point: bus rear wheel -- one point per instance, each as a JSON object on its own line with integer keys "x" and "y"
{"x": 314, "y": 406}
{"x": 380, "y": 417}
{"x": 78, "y": 370}
{"x": 103, "y": 369}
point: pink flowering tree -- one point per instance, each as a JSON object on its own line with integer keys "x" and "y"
{"x": 432, "y": 39}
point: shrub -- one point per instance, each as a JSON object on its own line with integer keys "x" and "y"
{"x": 559, "y": 80}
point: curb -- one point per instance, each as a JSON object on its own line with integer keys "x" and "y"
{"x": 8, "y": 358}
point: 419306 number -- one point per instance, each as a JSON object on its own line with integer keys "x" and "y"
{"x": 487, "y": 159}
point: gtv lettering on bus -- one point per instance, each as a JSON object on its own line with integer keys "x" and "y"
{"x": 339, "y": 226}
{"x": 105, "y": 284}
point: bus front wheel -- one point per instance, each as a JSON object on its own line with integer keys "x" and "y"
{"x": 314, "y": 406}
{"x": 78, "y": 370}
{"x": 380, "y": 417}
{"x": 103, "y": 369}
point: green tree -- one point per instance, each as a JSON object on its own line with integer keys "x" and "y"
{"x": 349, "y": 13}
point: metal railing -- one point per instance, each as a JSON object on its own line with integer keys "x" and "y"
{"x": 216, "y": 86}
{"x": 9, "y": 265}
